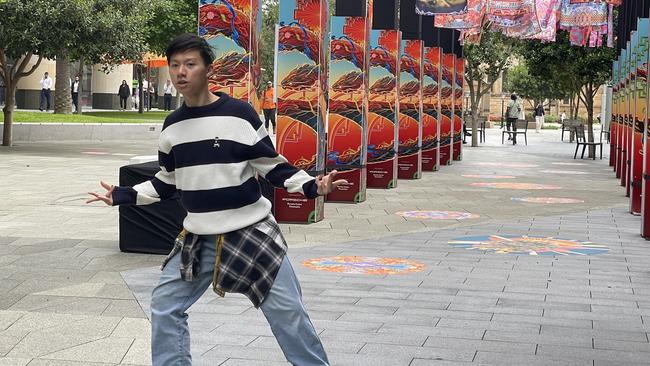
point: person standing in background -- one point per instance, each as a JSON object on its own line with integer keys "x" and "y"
{"x": 145, "y": 94}
{"x": 168, "y": 90}
{"x": 539, "y": 117}
{"x": 512, "y": 114}
{"x": 268, "y": 106}
{"x": 124, "y": 93}
{"x": 74, "y": 89}
{"x": 46, "y": 86}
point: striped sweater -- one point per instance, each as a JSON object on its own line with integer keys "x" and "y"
{"x": 211, "y": 155}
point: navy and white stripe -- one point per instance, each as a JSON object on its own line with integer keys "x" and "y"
{"x": 211, "y": 154}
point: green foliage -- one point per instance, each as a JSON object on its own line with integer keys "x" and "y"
{"x": 533, "y": 86}
{"x": 270, "y": 17}
{"x": 116, "y": 32}
{"x": 22, "y": 25}
{"x": 571, "y": 69}
{"x": 484, "y": 63}
{"x": 90, "y": 117}
{"x": 489, "y": 58}
{"x": 170, "y": 18}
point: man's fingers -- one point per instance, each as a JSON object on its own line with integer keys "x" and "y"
{"x": 106, "y": 186}
{"x": 339, "y": 182}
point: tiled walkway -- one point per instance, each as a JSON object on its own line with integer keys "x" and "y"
{"x": 68, "y": 297}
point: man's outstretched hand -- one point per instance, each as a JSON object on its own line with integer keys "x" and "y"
{"x": 326, "y": 184}
{"x": 107, "y": 198}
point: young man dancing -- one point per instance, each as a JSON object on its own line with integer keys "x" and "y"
{"x": 210, "y": 150}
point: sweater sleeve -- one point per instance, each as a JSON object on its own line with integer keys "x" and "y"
{"x": 161, "y": 186}
{"x": 276, "y": 169}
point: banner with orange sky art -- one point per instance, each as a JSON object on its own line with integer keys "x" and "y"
{"x": 301, "y": 88}
{"x": 348, "y": 105}
{"x": 410, "y": 110}
{"x": 383, "y": 108}
{"x": 233, "y": 29}
{"x": 430, "y": 108}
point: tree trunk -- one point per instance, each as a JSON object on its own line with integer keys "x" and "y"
{"x": 8, "y": 110}
{"x": 62, "y": 96}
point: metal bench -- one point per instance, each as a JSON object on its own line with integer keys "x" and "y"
{"x": 522, "y": 129}
{"x": 569, "y": 125}
{"x": 581, "y": 140}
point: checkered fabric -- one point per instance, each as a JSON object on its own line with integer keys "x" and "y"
{"x": 247, "y": 262}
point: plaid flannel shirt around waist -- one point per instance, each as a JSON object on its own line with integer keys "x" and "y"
{"x": 247, "y": 260}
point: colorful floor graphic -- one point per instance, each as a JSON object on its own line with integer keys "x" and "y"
{"x": 547, "y": 200}
{"x": 505, "y": 165}
{"x": 574, "y": 172}
{"x": 364, "y": 265}
{"x": 530, "y": 245}
{"x": 488, "y": 176}
{"x": 437, "y": 215}
{"x": 514, "y": 185}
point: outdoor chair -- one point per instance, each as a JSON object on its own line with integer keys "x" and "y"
{"x": 569, "y": 125}
{"x": 522, "y": 129}
{"x": 581, "y": 140}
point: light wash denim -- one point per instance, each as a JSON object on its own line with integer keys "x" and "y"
{"x": 283, "y": 309}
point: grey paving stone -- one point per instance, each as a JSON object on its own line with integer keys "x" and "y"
{"x": 514, "y": 359}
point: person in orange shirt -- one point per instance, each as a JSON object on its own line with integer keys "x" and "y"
{"x": 268, "y": 106}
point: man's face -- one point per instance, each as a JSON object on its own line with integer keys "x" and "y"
{"x": 76, "y": 78}
{"x": 188, "y": 72}
{"x": 46, "y": 75}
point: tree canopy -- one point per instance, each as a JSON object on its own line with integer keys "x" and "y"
{"x": 484, "y": 64}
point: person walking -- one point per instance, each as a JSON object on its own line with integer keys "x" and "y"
{"x": 168, "y": 90}
{"x": 210, "y": 150}
{"x": 124, "y": 92}
{"x": 268, "y": 106}
{"x": 539, "y": 117}
{"x": 512, "y": 114}
{"x": 46, "y": 87}
{"x": 74, "y": 89}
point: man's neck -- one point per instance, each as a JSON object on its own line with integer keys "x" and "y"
{"x": 200, "y": 100}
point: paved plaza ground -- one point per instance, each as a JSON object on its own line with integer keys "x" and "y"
{"x": 69, "y": 297}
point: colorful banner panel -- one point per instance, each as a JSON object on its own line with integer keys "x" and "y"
{"x": 348, "y": 106}
{"x": 627, "y": 155}
{"x": 639, "y": 85}
{"x": 620, "y": 131}
{"x": 430, "y": 108}
{"x": 410, "y": 110}
{"x": 447, "y": 108}
{"x": 621, "y": 171}
{"x": 645, "y": 195}
{"x": 383, "y": 106}
{"x": 614, "y": 123}
{"x": 301, "y": 66}
{"x": 459, "y": 82}
{"x": 233, "y": 28}
{"x": 431, "y": 7}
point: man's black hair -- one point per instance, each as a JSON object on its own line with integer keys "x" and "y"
{"x": 186, "y": 42}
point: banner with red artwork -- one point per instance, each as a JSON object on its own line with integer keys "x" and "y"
{"x": 383, "y": 108}
{"x": 301, "y": 80}
{"x": 431, "y": 108}
{"x": 233, "y": 30}
{"x": 410, "y": 110}
{"x": 459, "y": 82}
{"x": 348, "y": 105}
{"x": 447, "y": 108}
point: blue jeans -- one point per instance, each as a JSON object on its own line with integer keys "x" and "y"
{"x": 283, "y": 309}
